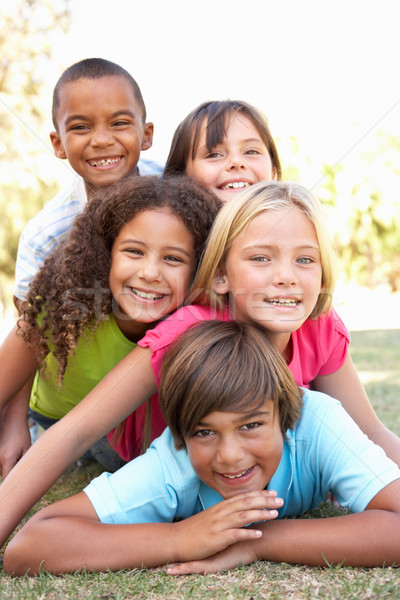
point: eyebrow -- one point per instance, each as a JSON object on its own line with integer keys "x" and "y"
{"x": 166, "y": 249}
{"x": 267, "y": 246}
{"x": 115, "y": 114}
{"x": 204, "y": 147}
{"x": 254, "y": 414}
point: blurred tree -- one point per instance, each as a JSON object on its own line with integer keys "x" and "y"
{"x": 367, "y": 228}
{"x": 28, "y": 31}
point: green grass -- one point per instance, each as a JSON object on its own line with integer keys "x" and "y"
{"x": 377, "y": 357}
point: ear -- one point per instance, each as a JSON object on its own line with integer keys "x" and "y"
{"x": 273, "y": 173}
{"x": 221, "y": 284}
{"x": 57, "y": 145}
{"x": 148, "y": 131}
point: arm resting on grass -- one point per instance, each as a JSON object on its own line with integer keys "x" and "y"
{"x": 67, "y": 536}
{"x": 370, "y": 539}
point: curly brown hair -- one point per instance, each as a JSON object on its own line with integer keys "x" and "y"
{"x": 70, "y": 294}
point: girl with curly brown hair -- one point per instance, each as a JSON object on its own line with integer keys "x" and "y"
{"x": 127, "y": 263}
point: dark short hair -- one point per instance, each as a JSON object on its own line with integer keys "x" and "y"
{"x": 186, "y": 137}
{"x": 228, "y": 367}
{"x": 93, "y": 68}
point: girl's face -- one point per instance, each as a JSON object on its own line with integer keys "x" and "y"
{"x": 240, "y": 160}
{"x": 236, "y": 452}
{"x": 152, "y": 261}
{"x": 273, "y": 272}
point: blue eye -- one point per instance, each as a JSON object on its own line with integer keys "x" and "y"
{"x": 304, "y": 260}
{"x": 260, "y": 259}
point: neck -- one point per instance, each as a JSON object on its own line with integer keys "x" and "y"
{"x": 283, "y": 342}
{"x": 133, "y": 330}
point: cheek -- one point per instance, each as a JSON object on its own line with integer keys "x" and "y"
{"x": 199, "y": 458}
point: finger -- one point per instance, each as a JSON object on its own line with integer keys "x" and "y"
{"x": 240, "y": 509}
{"x": 200, "y": 567}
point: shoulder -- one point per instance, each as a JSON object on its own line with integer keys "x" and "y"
{"x": 158, "y": 486}
{"x": 150, "y": 167}
{"x": 57, "y": 215}
{"x": 329, "y": 326}
{"x": 332, "y": 454}
{"x": 170, "y": 328}
{"x": 319, "y": 347}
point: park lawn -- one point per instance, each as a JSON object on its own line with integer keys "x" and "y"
{"x": 377, "y": 357}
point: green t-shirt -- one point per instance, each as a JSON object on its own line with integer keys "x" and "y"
{"x": 96, "y": 354}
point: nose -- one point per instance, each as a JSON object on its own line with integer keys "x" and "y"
{"x": 230, "y": 453}
{"x": 235, "y": 161}
{"x": 149, "y": 269}
{"x": 284, "y": 273}
{"x": 101, "y": 137}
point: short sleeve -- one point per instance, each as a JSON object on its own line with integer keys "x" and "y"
{"x": 156, "y": 487}
{"x": 344, "y": 459}
{"x": 334, "y": 342}
{"x": 319, "y": 348}
{"x": 159, "y": 338}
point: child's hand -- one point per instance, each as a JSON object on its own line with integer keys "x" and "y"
{"x": 218, "y": 527}
{"x": 230, "y": 558}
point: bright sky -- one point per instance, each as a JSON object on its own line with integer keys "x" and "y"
{"x": 324, "y": 72}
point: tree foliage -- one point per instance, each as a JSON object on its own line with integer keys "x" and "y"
{"x": 366, "y": 196}
{"x": 28, "y": 30}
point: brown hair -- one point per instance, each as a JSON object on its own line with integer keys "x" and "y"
{"x": 71, "y": 291}
{"x": 216, "y": 113}
{"x": 224, "y": 366}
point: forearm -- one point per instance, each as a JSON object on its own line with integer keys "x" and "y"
{"x": 14, "y": 431}
{"x": 368, "y": 539}
{"x": 387, "y": 440}
{"x": 65, "y": 544}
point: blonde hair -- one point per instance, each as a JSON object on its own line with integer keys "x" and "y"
{"x": 236, "y": 214}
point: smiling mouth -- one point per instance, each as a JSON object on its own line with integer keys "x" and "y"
{"x": 104, "y": 162}
{"x": 239, "y": 475}
{"x": 234, "y": 185}
{"x": 147, "y": 295}
{"x": 291, "y": 302}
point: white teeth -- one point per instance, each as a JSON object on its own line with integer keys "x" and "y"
{"x": 237, "y": 476}
{"x": 235, "y": 184}
{"x": 104, "y": 162}
{"x": 146, "y": 295}
{"x": 283, "y": 301}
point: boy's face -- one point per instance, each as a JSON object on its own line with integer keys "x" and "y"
{"x": 100, "y": 129}
{"x": 236, "y": 452}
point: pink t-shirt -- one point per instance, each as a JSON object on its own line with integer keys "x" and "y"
{"x": 319, "y": 347}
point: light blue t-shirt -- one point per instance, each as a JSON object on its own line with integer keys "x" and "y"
{"x": 326, "y": 452}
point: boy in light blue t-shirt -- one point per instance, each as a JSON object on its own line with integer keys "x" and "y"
{"x": 244, "y": 445}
